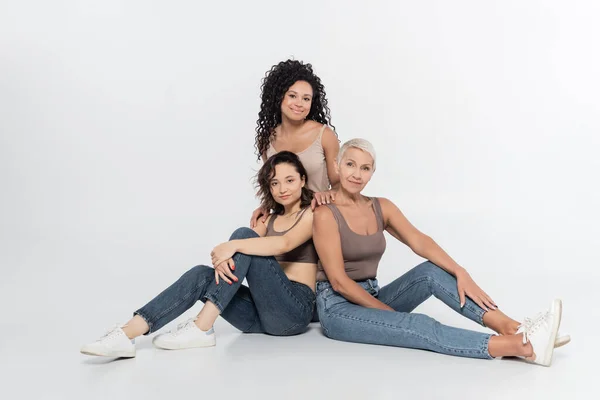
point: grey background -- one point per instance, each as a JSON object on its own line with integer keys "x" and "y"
{"x": 126, "y": 134}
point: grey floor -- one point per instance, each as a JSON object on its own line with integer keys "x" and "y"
{"x": 40, "y": 359}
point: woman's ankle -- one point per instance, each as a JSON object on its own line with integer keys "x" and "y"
{"x": 523, "y": 349}
{"x": 510, "y": 328}
{"x": 137, "y": 326}
{"x": 207, "y": 316}
{"x": 509, "y": 346}
{"x": 202, "y": 325}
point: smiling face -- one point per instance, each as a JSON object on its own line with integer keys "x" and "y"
{"x": 286, "y": 184}
{"x": 355, "y": 169}
{"x": 297, "y": 101}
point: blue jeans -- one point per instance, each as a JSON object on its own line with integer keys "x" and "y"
{"x": 343, "y": 320}
{"x": 271, "y": 303}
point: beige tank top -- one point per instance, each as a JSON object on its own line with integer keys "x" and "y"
{"x": 361, "y": 253}
{"x": 313, "y": 159}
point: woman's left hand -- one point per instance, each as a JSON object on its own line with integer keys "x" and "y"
{"x": 321, "y": 198}
{"x": 222, "y": 252}
{"x": 467, "y": 287}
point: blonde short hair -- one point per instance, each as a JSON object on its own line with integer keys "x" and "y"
{"x": 361, "y": 144}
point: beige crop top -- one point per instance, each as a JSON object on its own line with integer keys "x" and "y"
{"x": 313, "y": 159}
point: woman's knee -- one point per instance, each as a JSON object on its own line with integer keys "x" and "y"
{"x": 199, "y": 272}
{"x": 433, "y": 276}
{"x": 243, "y": 233}
{"x": 430, "y": 271}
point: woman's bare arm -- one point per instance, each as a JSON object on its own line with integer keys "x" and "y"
{"x": 327, "y": 242}
{"x": 276, "y": 245}
{"x": 331, "y": 148}
{"x": 400, "y": 228}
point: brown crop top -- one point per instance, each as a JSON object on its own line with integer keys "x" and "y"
{"x": 361, "y": 253}
{"x": 305, "y": 253}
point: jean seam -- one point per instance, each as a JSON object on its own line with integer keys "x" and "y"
{"x": 292, "y": 295}
{"x": 253, "y": 324}
{"x": 431, "y": 280}
{"x": 211, "y": 297}
{"x": 176, "y": 304}
{"x": 485, "y": 346}
{"x": 245, "y": 300}
{"x": 294, "y": 326}
{"x": 306, "y": 292}
{"x": 413, "y": 283}
{"x": 449, "y": 349}
{"x": 478, "y": 312}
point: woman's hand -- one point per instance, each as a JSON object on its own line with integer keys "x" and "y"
{"x": 467, "y": 287}
{"x": 259, "y": 213}
{"x": 224, "y": 270}
{"x": 222, "y": 253}
{"x": 321, "y": 198}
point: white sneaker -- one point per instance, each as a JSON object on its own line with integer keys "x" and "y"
{"x": 114, "y": 343}
{"x": 186, "y": 336}
{"x": 561, "y": 341}
{"x": 541, "y": 332}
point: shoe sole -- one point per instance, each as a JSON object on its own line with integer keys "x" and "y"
{"x": 561, "y": 341}
{"x": 118, "y": 354}
{"x": 557, "y": 310}
{"x": 183, "y": 346}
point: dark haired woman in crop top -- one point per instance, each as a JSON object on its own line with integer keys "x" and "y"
{"x": 277, "y": 258}
{"x": 352, "y": 307}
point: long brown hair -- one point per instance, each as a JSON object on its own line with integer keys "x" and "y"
{"x": 267, "y": 172}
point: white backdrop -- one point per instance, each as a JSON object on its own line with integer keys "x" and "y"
{"x": 127, "y": 131}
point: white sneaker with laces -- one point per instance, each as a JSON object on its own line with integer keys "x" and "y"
{"x": 114, "y": 343}
{"x": 561, "y": 339}
{"x": 541, "y": 331}
{"x": 186, "y": 336}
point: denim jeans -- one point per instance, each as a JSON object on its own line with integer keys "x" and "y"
{"x": 343, "y": 320}
{"x": 271, "y": 303}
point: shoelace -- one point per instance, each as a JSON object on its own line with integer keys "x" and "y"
{"x": 530, "y": 325}
{"x": 110, "y": 332}
{"x": 182, "y": 326}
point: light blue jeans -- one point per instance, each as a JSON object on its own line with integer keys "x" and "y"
{"x": 343, "y": 320}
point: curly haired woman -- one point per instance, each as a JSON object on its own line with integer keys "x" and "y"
{"x": 294, "y": 116}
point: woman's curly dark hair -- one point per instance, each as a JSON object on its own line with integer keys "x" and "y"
{"x": 274, "y": 85}
{"x": 267, "y": 172}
